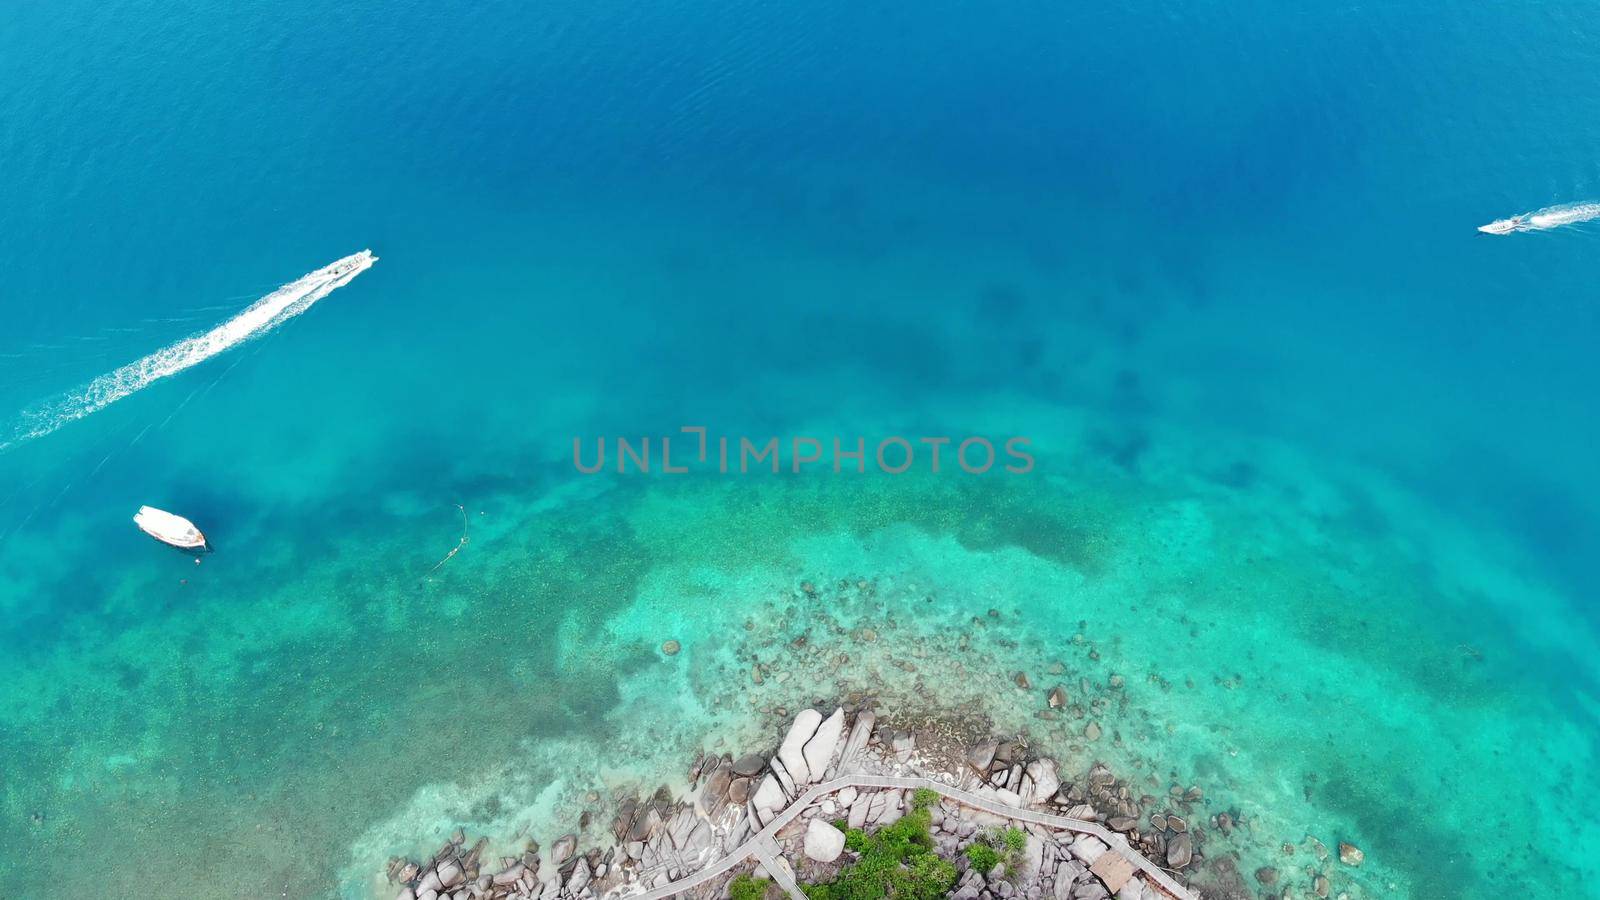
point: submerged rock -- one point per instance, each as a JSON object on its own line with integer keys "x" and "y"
{"x": 1350, "y": 854}
{"x": 1180, "y": 851}
{"x": 563, "y": 849}
{"x": 749, "y": 765}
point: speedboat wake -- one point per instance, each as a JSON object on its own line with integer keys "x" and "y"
{"x": 1544, "y": 219}
{"x": 254, "y": 321}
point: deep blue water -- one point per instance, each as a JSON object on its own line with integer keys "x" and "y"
{"x": 1185, "y": 217}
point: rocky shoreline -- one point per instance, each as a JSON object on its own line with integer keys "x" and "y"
{"x": 666, "y": 838}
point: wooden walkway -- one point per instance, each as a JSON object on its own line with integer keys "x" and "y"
{"x": 764, "y": 847}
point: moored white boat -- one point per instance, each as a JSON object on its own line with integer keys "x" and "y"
{"x": 175, "y": 531}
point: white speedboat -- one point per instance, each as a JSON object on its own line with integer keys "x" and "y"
{"x": 1504, "y": 226}
{"x": 175, "y": 531}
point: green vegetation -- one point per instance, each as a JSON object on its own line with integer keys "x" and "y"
{"x": 983, "y": 857}
{"x": 748, "y": 887}
{"x": 986, "y": 852}
{"x": 897, "y": 861}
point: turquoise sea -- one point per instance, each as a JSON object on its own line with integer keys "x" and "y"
{"x": 1314, "y": 459}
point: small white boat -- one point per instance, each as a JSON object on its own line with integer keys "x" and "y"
{"x": 175, "y": 531}
{"x": 1505, "y": 226}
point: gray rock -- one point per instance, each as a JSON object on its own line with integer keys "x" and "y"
{"x": 644, "y": 827}
{"x": 769, "y": 796}
{"x": 1088, "y": 848}
{"x": 982, "y": 755}
{"x": 1045, "y": 781}
{"x": 1180, "y": 851}
{"x": 579, "y": 879}
{"x": 510, "y": 875}
{"x": 1133, "y": 890}
{"x": 715, "y": 790}
{"x": 859, "y": 811}
{"x": 860, "y": 734}
{"x": 749, "y": 765}
{"x": 791, "y": 753}
{"x": 563, "y": 849}
{"x": 680, "y": 827}
{"x": 823, "y": 842}
{"x": 1032, "y": 860}
{"x": 1090, "y": 890}
{"x": 819, "y": 750}
{"x": 1062, "y": 889}
{"x": 891, "y": 811}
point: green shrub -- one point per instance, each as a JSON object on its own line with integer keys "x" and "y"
{"x": 747, "y": 887}
{"x": 908, "y": 835}
{"x": 896, "y": 861}
{"x": 996, "y": 847}
{"x": 922, "y": 798}
{"x": 983, "y": 857}
{"x": 928, "y": 877}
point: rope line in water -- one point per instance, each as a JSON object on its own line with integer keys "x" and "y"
{"x": 460, "y": 545}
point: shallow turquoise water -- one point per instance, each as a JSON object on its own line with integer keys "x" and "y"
{"x": 1313, "y": 457}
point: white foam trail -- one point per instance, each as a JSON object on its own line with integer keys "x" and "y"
{"x": 259, "y": 318}
{"x": 1566, "y": 214}
{"x": 1545, "y": 219}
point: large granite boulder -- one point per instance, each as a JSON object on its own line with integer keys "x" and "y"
{"x": 819, "y": 750}
{"x": 824, "y": 842}
{"x": 1040, "y": 782}
{"x": 791, "y": 756}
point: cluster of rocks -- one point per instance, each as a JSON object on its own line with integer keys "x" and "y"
{"x": 659, "y": 839}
